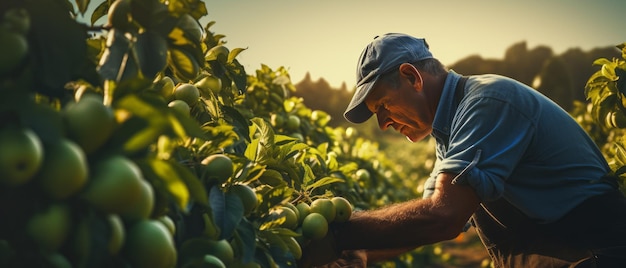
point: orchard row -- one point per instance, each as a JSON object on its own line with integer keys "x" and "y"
{"x": 163, "y": 151}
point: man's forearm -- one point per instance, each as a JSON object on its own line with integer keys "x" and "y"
{"x": 401, "y": 226}
{"x": 413, "y": 223}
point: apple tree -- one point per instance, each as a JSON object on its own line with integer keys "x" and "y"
{"x": 605, "y": 114}
{"x": 137, "y": 139}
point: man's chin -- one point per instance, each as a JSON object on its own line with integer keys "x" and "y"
{"x": 405, "y": 131}
{"x": 414, "y": 136}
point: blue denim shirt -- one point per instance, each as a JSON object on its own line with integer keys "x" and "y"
{"x": 506, "y": 140}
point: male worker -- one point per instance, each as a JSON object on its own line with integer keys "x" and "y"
{"x": 509, "y": 161}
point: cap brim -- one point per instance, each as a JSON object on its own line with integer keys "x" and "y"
{"x": 357, "y": 112}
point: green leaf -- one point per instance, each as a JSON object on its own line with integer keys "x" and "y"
{"x": 349, "y": 168}
{"x": 143, "y": 138}
{"x": 292, "y": 149}
{"x": 213, "y": 106}
{"x": 608, "y": 70}
{"x": 185, "y": 126}
{"x": 246, "y": 234}
{"x": 272, "y": 196}
{"x": 331, "y": 162}
{"x": 227, "y": 210}
{"x": 100, "y": 11}
{"x": 321, "y": 149}
{"x": 221, "y": 135}
{"x": 135, "y": 134}
{"x": 171, "y": 177}
{"x": 95, "y": 47}
{"x": 147, "y": 106}
{"x": 198, "y": 10}
{"x": 150, "y": 50}
{"x": 272, "y": 178}
{"x": 82, "y": 6}
{"x": 252, "y": 150}
{"x": 234, "y": 53}
{"x": 237, "y": 73}
{"x": 283, "y": 232}
{"x": 606, "y": 106}
{"x": 196, "y": 189}
{"x": 265, "y": 147}
{"x": 186, "y": 32}
{"x": 274, "y": 238}
{"x": 288, "y": 147}
{"x": 620, "y": 152}
{"x": 184, "y": 63}
{"x": 238, "y": 121}
{"x": 284, "y": 139}
{"x": 282, "y": 257}
{"x": 58, "y": 46}
{"x": 265, "y": 130}
{"x": 601, "y": 61}
{"x": 46, "y": 121}
{"x": 307, "y": 178}
{"x": 149, "y": 13}
{"x": 113, "y": 62}
{"x": 289, "y": 105}
{"x": 621, "y": 80}
{"x": 250, "y": 173}
{"x": 150, "y": 119}
{"x": 621, "y": 170}
{"x": 595, "y": 84}
{"x": 322, "y": 182}
{"x": 264, "y": 258}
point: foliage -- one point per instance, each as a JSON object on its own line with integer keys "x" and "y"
{"x": 606, "y": 90}
{"x": 157, "y": 153}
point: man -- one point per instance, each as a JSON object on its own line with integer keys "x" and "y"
{"x": 509, "y": 161}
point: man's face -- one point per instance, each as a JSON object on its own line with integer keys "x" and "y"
{"x": 405, "y": 109}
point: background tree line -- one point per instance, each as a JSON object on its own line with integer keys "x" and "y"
{"x": 561, "y": 77}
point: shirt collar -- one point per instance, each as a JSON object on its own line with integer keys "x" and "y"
{"x": 445, "y": 110}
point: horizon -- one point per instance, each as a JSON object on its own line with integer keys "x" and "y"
{"x": 325, "y": 38}
{"x": 339, "y": 86}
{"x": 293, "y": 35}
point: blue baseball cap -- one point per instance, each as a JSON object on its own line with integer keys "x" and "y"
{"x": 383, "y": 54}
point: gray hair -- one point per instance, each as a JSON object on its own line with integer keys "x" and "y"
{"x": 431, "y": 66}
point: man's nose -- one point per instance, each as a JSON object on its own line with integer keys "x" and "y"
{"x": 383, "y": 120}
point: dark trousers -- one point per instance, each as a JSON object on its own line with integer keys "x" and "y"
{"x": 592, "y": 235}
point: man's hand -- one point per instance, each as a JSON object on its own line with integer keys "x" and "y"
{"x": 397, "y": 228}
{"x": 349, "y": 258}
{"x": 319, "y": 252}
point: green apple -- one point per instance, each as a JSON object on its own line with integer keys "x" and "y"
{"x": 188, "y": 93}
{"x": 89, "y": 122}
{"x": 343, "y": 208}
{"x": 180, "y": 106}
{"x": 64, "y": 171}
{"x": 21, "y": 155}
{"x": 118, "y": 233}
{"x": 149, "y": 244}
{"x": 115, "y": 185}
{"x": 50, "y": 228}
{"x": 143, "y": 208}
{"x": 14, "y": 50}
{"x": 325, "y": 207}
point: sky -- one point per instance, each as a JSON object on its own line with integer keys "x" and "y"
{"x": 326, "y": 37}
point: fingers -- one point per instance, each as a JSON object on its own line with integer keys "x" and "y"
{"x": 319, "y": 252}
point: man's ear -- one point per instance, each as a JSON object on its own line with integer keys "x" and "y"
{"x": 409, "y": 72}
